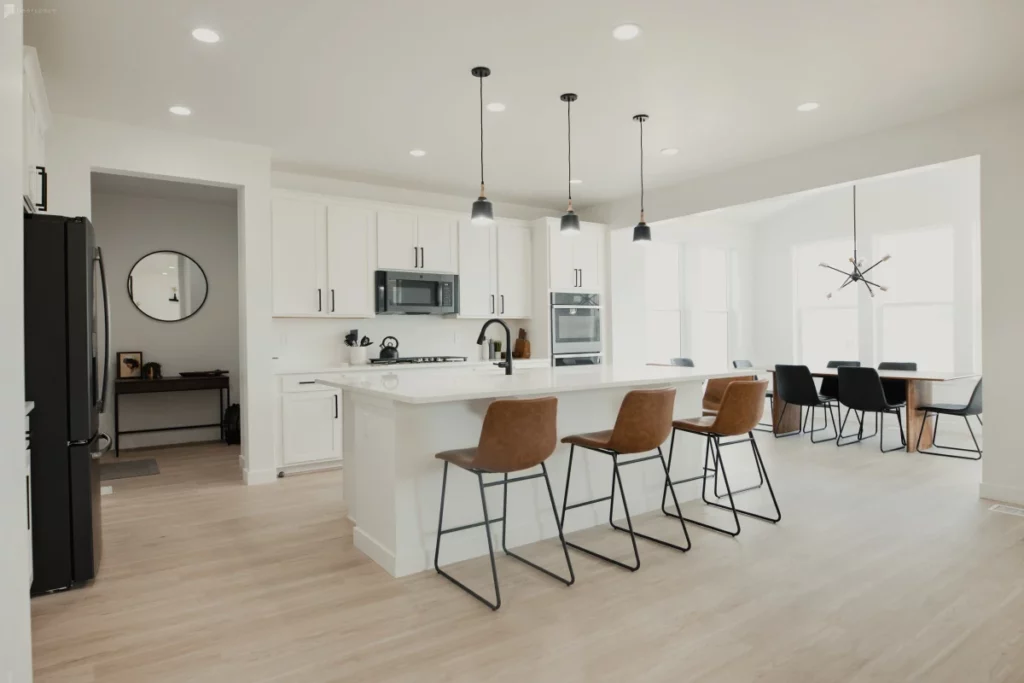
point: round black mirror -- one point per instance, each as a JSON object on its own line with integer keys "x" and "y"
{"x": 167, "y": 286}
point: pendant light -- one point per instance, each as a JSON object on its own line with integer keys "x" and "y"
{"x": 858, "y": 272}
{"x": 642, "y": 231}
{"x": 483, "y": 212}
{"x": 570, "y": 221}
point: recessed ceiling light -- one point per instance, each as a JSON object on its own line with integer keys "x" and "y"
{"x": 418, "y": 152}
{"x": 178, "y": 110}
{"x": 670, "y": 151}
{"x": 164, "y": 273}
{"x": 626, "y": 32}
{"x": 495, "y": 106}
{"x": 575, "y": 181}
{"x": 808, "y": 106}
{"x": 206, "y": 35}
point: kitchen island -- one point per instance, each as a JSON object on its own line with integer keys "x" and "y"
{"x": 393, "y": 424}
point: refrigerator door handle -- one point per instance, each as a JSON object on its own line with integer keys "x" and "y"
{"x": 96, "y": 455}
{"x": 106, "y": 332}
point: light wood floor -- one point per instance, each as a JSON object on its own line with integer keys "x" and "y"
{"x": 884, "y": 568}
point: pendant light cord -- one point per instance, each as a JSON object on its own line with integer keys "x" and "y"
{"x": 568, "y": 115}
{"x": 641, "y": 170}
{"x": 854, "y": 225}
{"x": 481, "y": 135}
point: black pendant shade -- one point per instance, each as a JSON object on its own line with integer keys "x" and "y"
{"x": 570, "y": 221}
{"x": 642, "y": 231}
{"x": 483, "y": 212}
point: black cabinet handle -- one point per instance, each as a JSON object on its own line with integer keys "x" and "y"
{"x": 335, "y": 406}
{"x": 311, "y": 381}
{"x": 332, "y": 300}
{"x": 41, "y": 206}
{"x": 423, "y": 258}
{"x": 492, "y": 304}
{"x": 503, "y": 304}
{"x": 320, "y": 300}
{"x": 415, "y": 257}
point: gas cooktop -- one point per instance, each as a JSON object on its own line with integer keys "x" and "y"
{"x": 418, "y": 359}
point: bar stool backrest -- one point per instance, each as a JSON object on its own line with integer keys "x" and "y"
{"x": 644, "y": 421}
{"x": 830, "y": 385}
{"x": 518, "y": 435}
{"x": 682, "y": 362}
{"x": 795, "y": 385}
{"x": 714, "y": 392}
{"x": 974, "y": 405}
{"x": 861, "y": 389}
{"x": 742, "y": 406}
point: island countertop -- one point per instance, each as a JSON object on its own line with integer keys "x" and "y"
{"x": 441, "y": 387}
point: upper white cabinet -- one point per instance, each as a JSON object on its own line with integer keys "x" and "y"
{"x": 416, "y": 241}
{"x": 575, "y": 260}
{"x": 35, "y": 121}
{"x": 322, "y": 258}
{"x": 495, "y": 276}
{"x": 299, "y": 244}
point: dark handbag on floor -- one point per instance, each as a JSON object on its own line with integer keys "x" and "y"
{"x": 233, "y": 424}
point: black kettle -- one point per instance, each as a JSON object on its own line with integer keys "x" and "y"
{"x": 389, "y": 351}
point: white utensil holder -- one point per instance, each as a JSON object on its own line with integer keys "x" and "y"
{"x": 357, "y": 355}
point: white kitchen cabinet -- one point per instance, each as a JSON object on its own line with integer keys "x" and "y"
{"x": 495, "y": 272}
{"x": 515, "y": 274}
{"x": 414, "y": 241}
{"x": 35, "y": 122}
{"x": 350, "y": 244}
{"x": 478, "y": 270}
{"x": 310, "y": 427}
{"x": 299, "y": 243}
{"x": 397, "y": 248}
{"x": 575, "y": 260}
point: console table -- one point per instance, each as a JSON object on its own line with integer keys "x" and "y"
{"x": 165, "y": 384}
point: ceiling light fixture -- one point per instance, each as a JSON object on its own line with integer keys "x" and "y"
{"x": 417, "y": 153}
{"x": 808, "y": 106}
{"x": 570, "y": 221}
{"x": 495, "y": 106}
{"x": 670, "y": 151}
{"x": 483, "y": 212}
{"x": 857, "y": 275}
{"x": 642, "y": 231}
{"x": 206, "y": 35}
{"x": 576, "y": 181}
{"x": 626, "y": 32}
{"x": 179, "y": 110}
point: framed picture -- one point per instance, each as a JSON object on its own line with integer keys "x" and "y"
{"x": 129, "y": 364}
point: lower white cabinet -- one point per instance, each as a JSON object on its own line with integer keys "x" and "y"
{"x": 310, "y": 427}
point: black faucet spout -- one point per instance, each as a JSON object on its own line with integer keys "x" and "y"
{"x": 508, "y": 342}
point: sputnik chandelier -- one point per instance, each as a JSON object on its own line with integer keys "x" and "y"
{"x": 857, "y": 275}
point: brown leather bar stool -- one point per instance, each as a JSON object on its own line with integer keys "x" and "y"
{"x": 741, "y": 408}
{"x": 714, "y": 392}
{"x": 516, "y": 436}
{"x": 643, "y": 423}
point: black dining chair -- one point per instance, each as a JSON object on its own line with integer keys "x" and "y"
{"x": 972, "y": 407}
{"x": 830, "y": 385}
{"x": 682, "y": 362}
{"x": 860, "y": 390}
{"x": 761, "y": 426}
{"x": 896, "y": 389}
{"x": 795, "y": 387}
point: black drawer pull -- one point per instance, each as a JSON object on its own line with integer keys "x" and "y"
{"x": 312, "y": 381}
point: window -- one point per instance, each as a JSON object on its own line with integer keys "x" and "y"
{"x": 827, "y": 328}
{"x": 662, "y": 303}
{"x": 707, "y": 290}
{"x": 914, "y": 320}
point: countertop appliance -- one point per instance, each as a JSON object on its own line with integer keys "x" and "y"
{"x": 67, "y": 375}
{"x": 401, "y": 292}
{"x": 389, "y": 351}
{"x": 575, "y": 327}
{"x": 418, "y": 359}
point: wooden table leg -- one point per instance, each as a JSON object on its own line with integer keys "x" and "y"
{"x": 918, "y": 393}
{"x": 783, "y": 424}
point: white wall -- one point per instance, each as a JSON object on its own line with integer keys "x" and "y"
{"x": 129, "y": 227}
{"x": 15, "y": 626}
{"x": 995, "y": 131}
{"x": 77, "y": 147}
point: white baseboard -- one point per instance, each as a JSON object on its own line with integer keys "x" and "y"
{"x": 376, "y": 552}
{"x": 1001, "y": 494}
{"x": 254, "y": 477}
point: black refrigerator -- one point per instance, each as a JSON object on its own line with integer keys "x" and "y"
{"x": 67, "y": 376}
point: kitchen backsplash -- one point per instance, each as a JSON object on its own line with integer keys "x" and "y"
{"x": 299, "y": 341}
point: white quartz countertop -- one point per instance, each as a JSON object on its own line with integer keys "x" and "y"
{"x": 440, "y": 387}
{"x": 313, "y": 369}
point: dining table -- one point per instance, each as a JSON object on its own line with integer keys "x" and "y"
{"x": 919, "y": 393}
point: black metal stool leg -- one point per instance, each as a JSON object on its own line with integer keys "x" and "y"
{"x": 678, "y": 515}
{"x": 775, "y": 503}
{"x": 558, "y": 525}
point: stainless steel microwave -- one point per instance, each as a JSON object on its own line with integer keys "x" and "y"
{"x": 400, "y": 292}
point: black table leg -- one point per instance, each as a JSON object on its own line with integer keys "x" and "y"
{"x": 117, "y": 427}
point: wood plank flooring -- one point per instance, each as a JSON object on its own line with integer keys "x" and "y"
{"x": 884, "y": 568}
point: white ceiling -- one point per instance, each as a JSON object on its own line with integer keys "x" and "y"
{"x": 109, "y": 183}
{"x": 348, "y": 88}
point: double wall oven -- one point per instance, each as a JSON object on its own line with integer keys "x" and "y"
{"x": 575, "y": 329}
